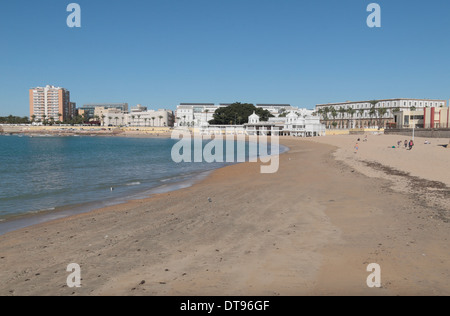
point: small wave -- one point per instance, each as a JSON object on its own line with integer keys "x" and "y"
{"x": 133, "y": 183}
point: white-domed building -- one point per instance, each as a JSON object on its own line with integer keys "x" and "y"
{"x": 303, "y": 125}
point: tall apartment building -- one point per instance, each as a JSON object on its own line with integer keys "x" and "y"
{"x": 50, "y": 103}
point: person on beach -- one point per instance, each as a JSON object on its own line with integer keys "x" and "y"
{"x": 411, "y": 145}
{"x": 399, "y": 144}
{"x": 356, "y": 148}
{"x": 406, "y": 144}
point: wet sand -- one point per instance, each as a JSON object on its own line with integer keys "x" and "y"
{"x": 309, "y": 229}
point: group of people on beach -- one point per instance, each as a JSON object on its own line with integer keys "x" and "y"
{"x": 357, "y": 143}
{"x": 408, "y": 145}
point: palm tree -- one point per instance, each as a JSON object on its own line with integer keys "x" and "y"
{"x": 351, "y": 112}
{"x": 103, "y": 119}
{"x": 33, "y": 118}
{"x": 381, "y": 112}
{"x": 320, "y": 113}
{"x": 153, "y": 121}
{"x": 361, "y": 114}
{"x": 139, "y": 120}
{"x": 342, "y": 111}
{"x": 116, "y": 118}
{"x": 160, "y": 118}
{"x": 132, "y": 119}
{"x": 85, "y": 117}
{"x": 145, "y": 120}
{"x": 326, "y": 111}
{"x": 334, "y": 115}
{"x": 59, "y": 117}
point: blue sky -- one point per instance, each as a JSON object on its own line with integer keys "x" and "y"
{"x": 160, "y": 53}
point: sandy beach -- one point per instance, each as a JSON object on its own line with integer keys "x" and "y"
{"x": 312, "y": 228}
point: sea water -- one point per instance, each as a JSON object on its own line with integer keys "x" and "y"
{"x": 57, "y": 176}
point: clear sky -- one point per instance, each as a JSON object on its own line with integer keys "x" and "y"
{"x": 162, "y": 52}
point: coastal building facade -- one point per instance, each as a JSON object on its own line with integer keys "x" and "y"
{"x": 293, "y": 124}
{"x": 424, "y": 118}
{"x": 50, "y": 103}
{"x": 370, "y": 114}
{"x": 199, "y": 114}
{"x": 138, "y": 117}
{"x": 89, "y": 109}
{"x": 154, "y": 118}
{"x": 195, "y": 114}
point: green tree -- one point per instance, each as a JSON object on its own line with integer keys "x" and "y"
{"x": 381, "y": 112}
{"x": 231, "y": 113}
{"x": 334, "y": 114}
{"x": 351, "y": 112}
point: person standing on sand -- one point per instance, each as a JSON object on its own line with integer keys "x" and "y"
{"x": 411, "y": 145}
{"x": 356, "y": 148}
{"x": 406, "y": 144}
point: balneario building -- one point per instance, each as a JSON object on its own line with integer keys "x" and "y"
{"x": 370, "y": 114}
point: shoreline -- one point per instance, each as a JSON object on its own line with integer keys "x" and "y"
{"x": 20, "y": 221}
{"x": 31, "y": 218}
{"x": 313, "y": 235}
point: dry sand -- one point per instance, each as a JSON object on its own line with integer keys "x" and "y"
{"x": 311, "y": 228}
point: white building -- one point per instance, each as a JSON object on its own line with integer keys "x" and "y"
{"x": 195, "y": 114}
{"x": 153, "y": 118}
{"x": 199, "y": 114}
{"x": 293, "y": 124}
{"x": 303, "y": 125}
{"x": 364, "y": 114}
{"x": 138, "y": 117}
{"x": 277, "y": 109}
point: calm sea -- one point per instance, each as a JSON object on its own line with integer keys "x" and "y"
{"x": 56, "y": 175}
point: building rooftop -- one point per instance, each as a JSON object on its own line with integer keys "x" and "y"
{"x": 381, "y": 100}
{"x": 197, "y": 104}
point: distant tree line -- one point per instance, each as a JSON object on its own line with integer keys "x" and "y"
{"x": 14, "y": 120}
{"x": 237, "y": 114}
